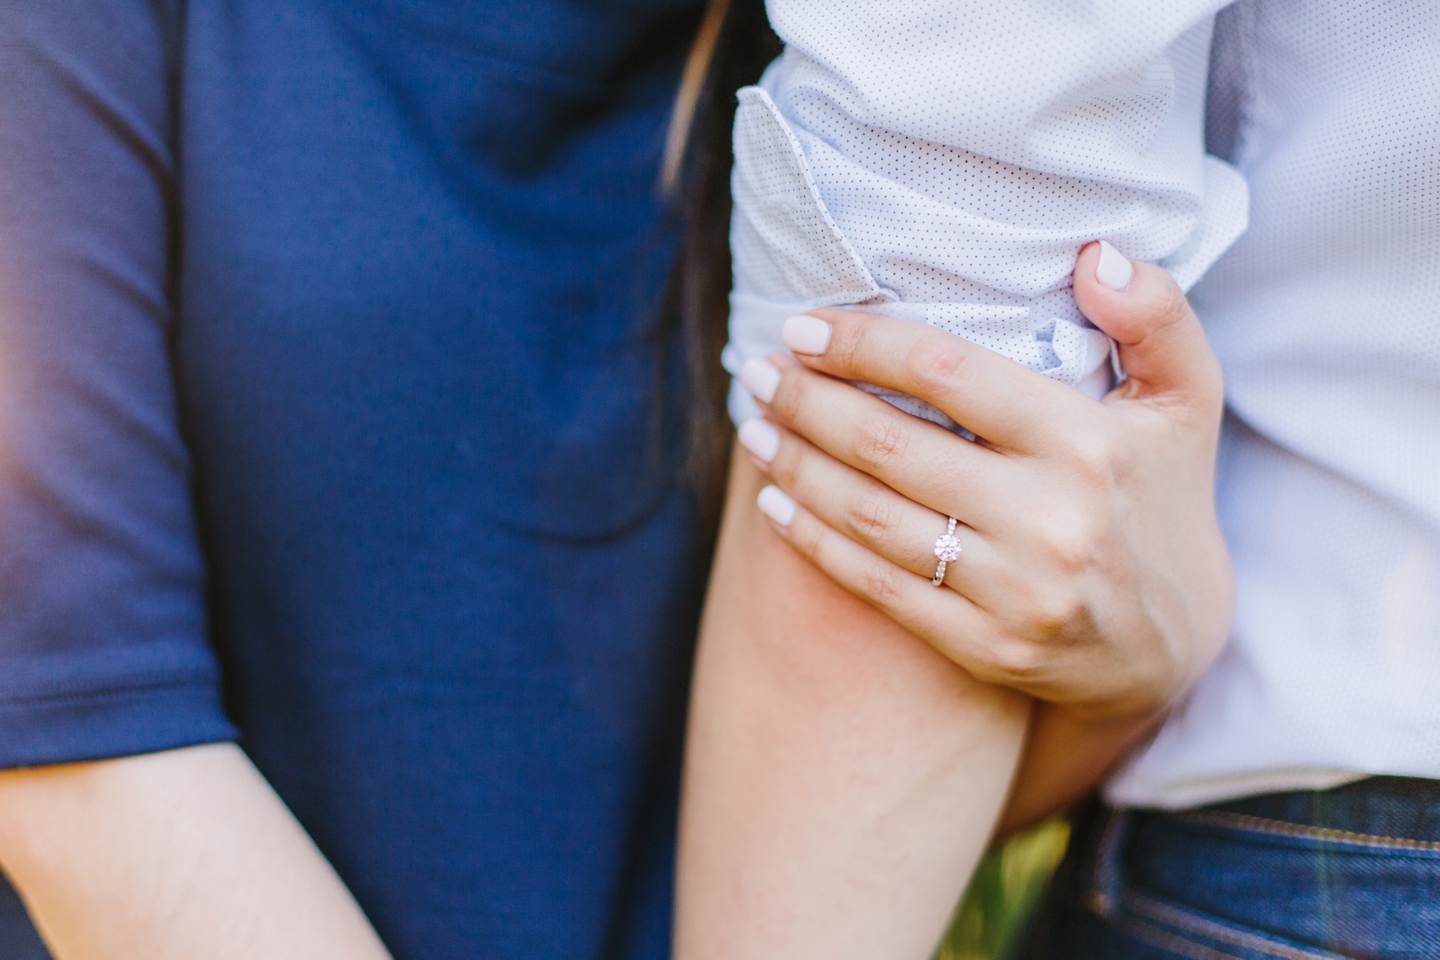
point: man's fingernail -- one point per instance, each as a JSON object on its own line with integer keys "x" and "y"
{"x": 760, "y": 377}
{"x": 776, "y": 505}
{"x": 760, "y": 438}
{"x": 806, "y": 334}
{"x": 1113, "y": 270}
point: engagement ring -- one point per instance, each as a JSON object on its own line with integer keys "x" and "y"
{"x": 947, "y": 550}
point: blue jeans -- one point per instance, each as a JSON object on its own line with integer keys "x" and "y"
{"x": 1311, "y": 875}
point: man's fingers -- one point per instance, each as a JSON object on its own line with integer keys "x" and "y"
{"x": 1162, "y": 345}
{"x": 996, "y": 398}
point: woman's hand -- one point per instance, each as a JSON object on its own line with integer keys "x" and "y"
{"x": 1093, "y": 573}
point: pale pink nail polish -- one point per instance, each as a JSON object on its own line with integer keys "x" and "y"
{"x": 776, "y": 505}
{"x": 1113, "y": 270}
{"x": 806, "y": 334}
{"x": 761, "y": 378}
{"x": 760, "y": 438}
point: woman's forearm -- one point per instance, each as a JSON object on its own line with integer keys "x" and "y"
{"x": 184, "y": 854}
{"x": 1066, "y": 756}
{"x": 841, "y": 778}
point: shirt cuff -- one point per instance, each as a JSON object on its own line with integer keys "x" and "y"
{"x": 73, "y": 707}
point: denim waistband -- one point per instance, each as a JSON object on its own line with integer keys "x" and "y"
{"x": 1395, "y": 808}
{"x": 1303, "y": 875}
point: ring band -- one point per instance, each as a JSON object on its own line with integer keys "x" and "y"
{"x": 947, "y": 550}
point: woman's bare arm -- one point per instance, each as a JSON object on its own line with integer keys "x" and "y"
{"x": 842, "y": 777}
{"x": 182, "y": 855}
{"x": 1094, "y": 576}
{"x": 1067, "y": 756}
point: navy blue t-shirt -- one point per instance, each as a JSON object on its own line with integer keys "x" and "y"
{"x": 331, "y": 365}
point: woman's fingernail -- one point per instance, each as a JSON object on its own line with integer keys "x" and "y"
{"x": 776, "y": 505}
{"x": 760, "y": 438}
{"x": 760, "y": 377}
{"x": 806, "y": 334}
{"x": 1113, "y": 270}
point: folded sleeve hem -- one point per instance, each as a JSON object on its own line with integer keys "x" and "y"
{"x": 165, "y": 714}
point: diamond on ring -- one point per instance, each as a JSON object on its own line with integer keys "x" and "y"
{"x": 947, "y": 550}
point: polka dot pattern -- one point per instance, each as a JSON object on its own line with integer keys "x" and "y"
{"x": 1326, "y": 319}
{"x": 881, "y": 162}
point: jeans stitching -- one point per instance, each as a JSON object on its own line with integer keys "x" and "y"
{"x": 1165, "y": 940}
{"x": 1193, "y": 923}
{"x": 1104, "y": 881}
{"x": 1220, "y": 818}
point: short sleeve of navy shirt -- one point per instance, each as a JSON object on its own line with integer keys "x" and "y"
{"x": 331, "y": 365}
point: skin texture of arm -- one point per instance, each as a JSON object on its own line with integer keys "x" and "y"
{"x": 1065, "y": 757}
{"x": 842, "y": 777}
{"x": 1093, "y": 575}
{"x": 182, "y": 854}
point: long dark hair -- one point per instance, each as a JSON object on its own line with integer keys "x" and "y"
{"x": 733, "y": 47}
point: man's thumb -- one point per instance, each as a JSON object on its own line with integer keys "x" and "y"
{"x": 1162, "y": 346}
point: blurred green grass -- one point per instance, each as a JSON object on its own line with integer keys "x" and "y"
{"x": 1004, "y": 892}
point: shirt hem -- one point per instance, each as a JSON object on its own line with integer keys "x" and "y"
{"x": 108, "y": 724}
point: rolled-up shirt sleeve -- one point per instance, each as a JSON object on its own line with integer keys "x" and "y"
{"x": 103, "y": 639}
{"x": 1064, "y": 88}
{"x": 945, "y": 162}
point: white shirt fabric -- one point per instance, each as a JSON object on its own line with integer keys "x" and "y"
{"x": 944, "y": 162}
{"x": 1326, "y": 318}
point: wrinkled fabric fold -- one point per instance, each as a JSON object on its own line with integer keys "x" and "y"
{"x": 831, "y": 209}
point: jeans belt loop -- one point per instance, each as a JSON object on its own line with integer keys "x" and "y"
{"x": 1106, "y": 880}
